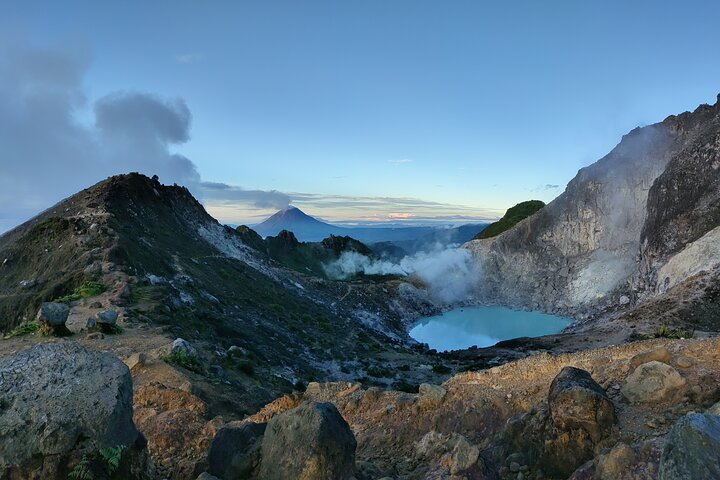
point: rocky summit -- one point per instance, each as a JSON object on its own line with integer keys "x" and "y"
{"x": 143, "y": 339}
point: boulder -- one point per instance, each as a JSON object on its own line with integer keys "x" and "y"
{"x": 310, "y": 442}
{"x": 653, "y": 382}
{"x": 576, "y": 401}
{"x": 183, "y": 346}
{"x": 559, "y": 437}
{"x": 691, "y": 449}
{"x": 107, "y": 317}
{"x": 59, "y": 399}
{"x": 235, "y": 450}
{"x": 52, "y": 316}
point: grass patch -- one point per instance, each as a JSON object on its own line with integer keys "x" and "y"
{"x": 86, "y": 290}
{"x": 664, "y": 331}
{"x": 184, "y": 360}
{"x": 27, "y": 328}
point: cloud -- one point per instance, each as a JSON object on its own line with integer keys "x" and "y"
{"x": 47, "y": 153}
{"x": 188, "y": 57}
{"x": 402, "y": 161}
{"x": 138, "y": 116}
{"x": 222, "y": 193}
{"x": 544, "y": 188}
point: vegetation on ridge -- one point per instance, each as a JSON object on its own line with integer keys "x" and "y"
{"x": 513, "y": 216}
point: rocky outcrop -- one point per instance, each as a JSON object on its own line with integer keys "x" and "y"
{"x": 310, "y": 442}
{"x": 635, "y": 223}
{"x": 61, "y": 402}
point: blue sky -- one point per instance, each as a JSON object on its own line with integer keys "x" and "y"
{"x": 465, "y": 107}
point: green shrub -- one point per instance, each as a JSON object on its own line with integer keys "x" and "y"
{"x": 184, "y": 360}
{"x": 27, "y": 328}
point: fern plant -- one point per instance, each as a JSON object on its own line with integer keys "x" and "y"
{"x": 82, "y": 470}
{"x": 111, "y": 457}
{"x": 108, "y": 457}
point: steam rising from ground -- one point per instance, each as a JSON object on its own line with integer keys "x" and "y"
{"x": 450, "y": 274}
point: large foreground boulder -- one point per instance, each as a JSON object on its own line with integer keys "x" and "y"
{"x": 691, "y": 449}
{"x": 235, "y": 450}
{"x": 577, "y": 401}
{"x": 58, "y": 402}
{"x": 558, "y": 438}
{"x": 310, "y": 442}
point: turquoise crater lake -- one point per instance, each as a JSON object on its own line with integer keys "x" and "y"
{"x": 483, "y": 326}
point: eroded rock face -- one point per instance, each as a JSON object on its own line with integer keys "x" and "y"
{"x": 691, "y": 451}
{"x": 655, "y": 193}
{"x": 310, "y": 442}
{"x": 58, "y": 399}
{"x": 653, "y": 382}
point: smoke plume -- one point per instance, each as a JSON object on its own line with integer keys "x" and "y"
{"x": 450, "y": 274}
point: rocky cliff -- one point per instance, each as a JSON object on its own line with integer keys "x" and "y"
{"x": 638, "y": 221}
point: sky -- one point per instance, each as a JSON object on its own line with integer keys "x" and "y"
{"x": 355, "y": 111}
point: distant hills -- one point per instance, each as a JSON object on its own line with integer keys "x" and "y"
{"x": 310, "y": 229}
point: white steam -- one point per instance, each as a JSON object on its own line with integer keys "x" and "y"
{"x": 450, "y": 274}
